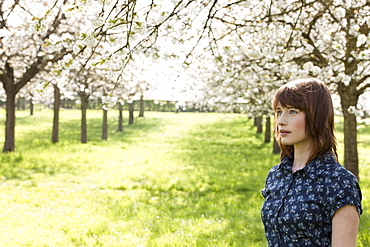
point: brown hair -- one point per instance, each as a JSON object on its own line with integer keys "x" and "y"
{"x": 312, "y": 97}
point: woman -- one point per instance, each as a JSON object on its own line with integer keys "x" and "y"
{"x": 310, "y": 199}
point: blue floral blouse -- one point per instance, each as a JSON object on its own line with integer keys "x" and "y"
{"x": 299, "y": 207}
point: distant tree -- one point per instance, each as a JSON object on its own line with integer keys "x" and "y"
{"x": 105, "y": 125}
{"x": 120, "y": 117}
{"x": 268, "y": 129}
{"x": 131, "y": 109}
{"x": 324, "y": 39}
{"x": 141, "y": 106}
{"x": 23, "y": 50}
{"x": 56, "y": 109}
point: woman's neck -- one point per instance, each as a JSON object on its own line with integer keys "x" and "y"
{"x": 301, "y": 156}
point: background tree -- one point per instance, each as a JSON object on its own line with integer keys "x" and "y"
{"x": 106, "y": 87}
{"x": 23, "y": 51}
{"x": 326, "y": 39}
{"x": 120, "y": 116}
{"x": 330, "y": 40}
{"x": 56, "y": 108}
{"x": 86, "y": 82}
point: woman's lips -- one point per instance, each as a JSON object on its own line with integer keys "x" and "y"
{"x": 284, "y": 132}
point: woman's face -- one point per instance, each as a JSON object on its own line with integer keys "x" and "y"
{"x": 291, "y": 126}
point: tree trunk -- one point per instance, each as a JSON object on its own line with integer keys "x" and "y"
{"x": 350, "y": 144}
{"x": 131, "y": 113}
{"x": 142, "y": 107}
{"x": 276, "y": 147}
{"x": 258, "y": 123}
{"x": 9, "y": 144}
{"x": 12, "y": 87}
{"x": 55, "y": 131}
{"x": 120, "y": 117}
{"x": 349, "y": 97}
{"x": 24, "y": 105}
{"x": 20, "y": 103}
{"x": 268, "y": 130}
{"x": 84, "y": 105}
{"x": 105, "y": 126}
{"x": 350, "y": 137}
{"x": 31, "y": 107}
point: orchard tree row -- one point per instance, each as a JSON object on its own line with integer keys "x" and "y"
{"x": 256, "y": 46}
{"x": 49, "y": 51}
{"x": 235, "y": 52}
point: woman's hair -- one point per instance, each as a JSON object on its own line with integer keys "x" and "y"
{"x": 312, "y": 97}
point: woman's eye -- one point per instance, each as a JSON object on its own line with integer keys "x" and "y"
{"x": 278, "y": 113}
{"x": 293, "y": 112}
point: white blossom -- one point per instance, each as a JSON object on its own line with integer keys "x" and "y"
{"x": 255, "y": 53}
{"x": 90, "y": 41}
{"x": 4, "y": 33}
{"x": 108, "y": 102}
{"x": 66, "y": 61}
{"x": 316, "y": 70}
{"x": 308, "y": 66}
{"x": 346, "y": 80}
{"x": 364, "y": 55}
{"x": 361, "y": 39}
{"x": 42, "y": 88}
{"x": 76, "y": 48}
{"x": 40, "y": 25}
{"x": 355, "y": 111}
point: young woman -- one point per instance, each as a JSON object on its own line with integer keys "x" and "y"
{"x": 310, "y": 199}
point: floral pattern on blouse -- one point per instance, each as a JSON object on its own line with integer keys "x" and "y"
{"x": 299, "y": 207}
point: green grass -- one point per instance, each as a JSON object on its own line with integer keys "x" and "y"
{"x": 187, "y": 179}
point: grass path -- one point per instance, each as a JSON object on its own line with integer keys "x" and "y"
{"x": 168, "y": 180}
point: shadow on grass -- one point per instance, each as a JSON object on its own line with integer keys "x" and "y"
{"x": 232, "y": 161}
{"x": 35, "y": 153}
{"x": 225, "y": 170}
{"x": 230, "y": 148}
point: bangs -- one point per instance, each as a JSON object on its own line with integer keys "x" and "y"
{"x": 290, "y": 96}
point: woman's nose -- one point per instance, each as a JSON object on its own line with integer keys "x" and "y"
{"x": 281, "y": 120}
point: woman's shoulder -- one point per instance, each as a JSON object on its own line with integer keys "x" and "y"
{"x": 340, "y": 186}
{"x": 338, "y": 171}
{"x": 274, "y": 168}
{"x": 336, "y": 177}
{"x": 328, "y": 167}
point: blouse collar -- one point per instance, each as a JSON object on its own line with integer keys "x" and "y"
{"x": 313, "y": 169}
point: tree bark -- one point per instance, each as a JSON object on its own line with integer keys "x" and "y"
{"x": 349, "y": 98}
{"x": 131, "y": 109}
{"x": 20, "y": 103}
{"x": 12, "y": 85}
{"x": 350, "y": 143}
{"x": 31, "y": 107}
{"x": 142, "y": 107}
{"x": 268, "y": 130}
{"x": 258, "y": 123}
{"x": 276, "y": 147}
{"x": 24, "y": 105}
{"x": 84, "y": 105}
{"x": 105, "y": 126}
{"x": 120, "y": 117}
{"x": 55, "y": 131}
{"x": 9, "y": 144}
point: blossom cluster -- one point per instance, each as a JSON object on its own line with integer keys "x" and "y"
{"x": 238, "y": 64}
{"x": 355, "y": 111}
{"x": 108, "y": 102}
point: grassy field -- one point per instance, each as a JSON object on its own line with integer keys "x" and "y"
{"x": 187, "y": 179}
